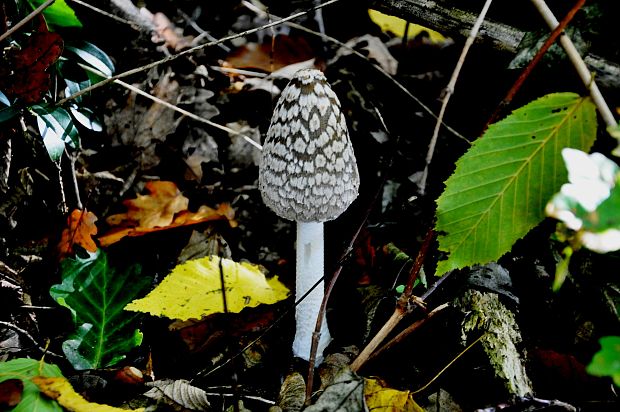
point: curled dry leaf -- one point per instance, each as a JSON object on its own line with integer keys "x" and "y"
{"x": 179, "y": 392}
{"x": 60, "y": 389}
{"x": 79, "y": 231}
{"x": 163, "y": 208}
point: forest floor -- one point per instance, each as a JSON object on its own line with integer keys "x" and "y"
{"x": 547, "y": 338}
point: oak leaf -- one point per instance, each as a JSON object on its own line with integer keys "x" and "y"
{"x": 79, "y": 231}
{"x": 164, "y": 208}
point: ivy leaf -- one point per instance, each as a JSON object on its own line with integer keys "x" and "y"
{"x": 58, "y": 14}
{"x": 25, "y": 369}
{"x": 96, "y": 293}
{"x": 194, "y": 290}
{"x": 500, "y": 186}
{"x": 606, "y": 362}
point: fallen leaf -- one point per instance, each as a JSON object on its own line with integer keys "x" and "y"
{"x": 194, "y": 290}
{"x": 61, "y": 390}
{"x": 268, "y": 57}
{"x": 11, "y": 392}
{"x": 24, "y": 76}
{"x": 79, "y": 231}
{"x": 380, "y": 398}
{"x": 155, "y": 209}
{"x": 179, "y": 392}
{"x": 397, "y": 26}
{"x": 164, "y": 208}
{"x": 373, "y": 48}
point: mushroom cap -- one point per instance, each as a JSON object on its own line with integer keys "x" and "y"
{"x": 308, "y": 171}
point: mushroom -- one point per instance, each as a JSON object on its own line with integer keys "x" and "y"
{"x": 308, "y": 174}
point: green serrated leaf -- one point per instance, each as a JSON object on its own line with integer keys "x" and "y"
{"x": 57, "y": 129}
{"x": 93, "y": 56}
{"x": 96, "y": 294}
{"x": 606, "y": 362}
{"x": 501, "y": 185}
{"x": 58, "y": 14}
{"x": 32, "y": 398}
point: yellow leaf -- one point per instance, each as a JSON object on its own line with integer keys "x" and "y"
{"x": 62, "y": 391}
{"x": 194, "y": 290}
{"x": 380, "y": 398}
{"x": 397, "y": 26}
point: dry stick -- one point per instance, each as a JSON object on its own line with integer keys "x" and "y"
{"x": 257, "y": 10}
{"x": 30, "y": 338}
{"x": 534, "y": 62}
{"x": 408, "y": 331}
{"x": 26, "y": 19}
{"x": 107, "y": 14}
{"x": 187, "y": 52}
{"x": 579, "y": 64}
{"x": 403, "y": 307}
{"x": 450, "y": 89}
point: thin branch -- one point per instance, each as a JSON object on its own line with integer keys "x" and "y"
{"x": 26, "y": 19}
{"x": 30, "y": 338}
{"x": 578, "y": 63}
{"x": 188, "y": 52}
{"x": 409, "y": 330}
{"x": 188, "y": 114}
{"x": 534, "y": 62}
{"x": 175, "y": 108}
{"x": 450, "y": 89}
{"x": 107, "y": 14}
{"x": 406, "y": 304}
{"x": 424, "y": 107}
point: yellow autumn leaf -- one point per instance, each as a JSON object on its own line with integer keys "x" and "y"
{"x": 60, "y": 389}
{"x": 380, "y": 398}
{"x": 397, "y": 26}
{"x": 194, "y": 290}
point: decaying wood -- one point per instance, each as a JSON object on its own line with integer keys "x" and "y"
{"x": 455, "y": 22}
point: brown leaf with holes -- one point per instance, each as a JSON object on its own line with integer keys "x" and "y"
{"x": 24, "y": 76}
{"x": 79, "y": 231}
{"x": 163, "y": 208}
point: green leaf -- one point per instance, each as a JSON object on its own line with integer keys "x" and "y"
{"x": 93, "y": 56}
{"x": 32, "y": 398}
{"x": 96, "y": 294}
{"x": 606, "y": 362}
{"x": 57, "y": 129}
{"x": 4, "y": 100}
{"x": 58, "y": 14}
{"x": 86, "y": 118}
{"x": 500, "y": 186}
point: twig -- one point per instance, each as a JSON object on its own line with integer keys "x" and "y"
{"x": 201, "y": 31}
{"x": 187, "y": 52}
{"x": 424, "y": 107}
{"x": 175, "y": 108}
{"x": 448, "y": 365}
{"x": 403, "y": 307}
{"x": 30, "y": 338}
{"x": 107, "y": 14}
{"x": 578, "y": 63}
{"x": 450, "y": 89}
{"x": 26, "y": 19}
{"x": 534, "y": 62}
{"x": 189, "y": 114}
{"x": 408, "y": 330}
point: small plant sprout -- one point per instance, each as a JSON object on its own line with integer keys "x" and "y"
{"x": 308, "y": 174}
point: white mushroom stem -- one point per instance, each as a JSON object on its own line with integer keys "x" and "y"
{"x": 310, "y": 264}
